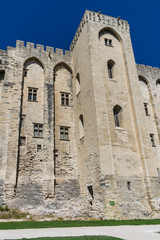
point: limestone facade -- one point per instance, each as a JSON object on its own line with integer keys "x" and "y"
{"x": 80, "y": 129}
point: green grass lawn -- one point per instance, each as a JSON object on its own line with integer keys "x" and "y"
{"x": 54, "y": 224}
{"x": 76, "y": 238}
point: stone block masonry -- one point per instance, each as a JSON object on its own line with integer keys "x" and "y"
{"x": 80, "y": 129}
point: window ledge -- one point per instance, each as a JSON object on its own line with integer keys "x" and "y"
{"x": 120, "y": 129}
{"x": 64, "y": 139}
{"x": 37, "y": 137}
{"x": 65, "y": 105}
{"x": 112, "y": 79}
{"x": 31, "y": 100}
{"x": 108, "y": 45}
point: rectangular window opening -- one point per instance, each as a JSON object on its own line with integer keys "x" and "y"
{"x": 65, "y": 99}
{"x": 32, "y": 94}
{"x": 39, "y": 147}
{"x": 108, "y": 42}
{"x": 38, "y": 130}
{"x": 64, "y": 133}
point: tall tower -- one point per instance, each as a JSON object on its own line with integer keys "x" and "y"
{"x": 116, "y": 158}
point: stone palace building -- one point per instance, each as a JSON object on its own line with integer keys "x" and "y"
{"x": 80, "y": 129}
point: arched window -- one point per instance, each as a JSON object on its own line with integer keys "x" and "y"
{"x": 78, "y": 86}
{"x": 110, "y": 66}
{"x": 81, "y": 126}
{"x": 117, "y": 112}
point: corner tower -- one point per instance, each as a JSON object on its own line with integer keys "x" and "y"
{"x": 115, "y": 155}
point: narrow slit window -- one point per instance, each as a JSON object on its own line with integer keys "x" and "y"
{"x": 110, "y": 66}
{"x": 2, "y": 74}
{"x": 146, "y": 109}
{"x": 25, "y": 72}
{"x": 152, "y": 140}
{"x": 39, "y": 147}
{"x": 110, "y": 42}
{"x": 117, "y": 112}
{"x": 129, "y": 185}
{"x": 90, "y": 190}
{"x": 78, "y": 86}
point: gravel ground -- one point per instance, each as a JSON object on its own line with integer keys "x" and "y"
{"x": 143, "y": 232}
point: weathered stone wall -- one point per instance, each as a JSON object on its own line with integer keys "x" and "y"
{"x": 100, "y": 170}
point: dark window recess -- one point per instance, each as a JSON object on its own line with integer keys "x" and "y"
{"x": 25, "y": 72}
{"x": 22, "y": 141}
{"x": 39, "y": 147}
{"x": 108, "y": 42}
{"x": 64, "y": 133}
{"x": 65, "y": 99}
{"x": 90, "y": 190}
{"x": 38, "y": 130}
{"x": 146, "y": 108}
{"x": 32, "y": 94}
{"x": 2, "y": 74}
{"x": 117, "y": 112}
{"x": 152, "y": 140}
{"x": 110, "y": 66}
{"x": 129, "y": 185}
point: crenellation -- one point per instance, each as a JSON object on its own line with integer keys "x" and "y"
{"x": 30, "y": 45}
{"x": 49, "y": 49}
{"x": 19, "y": 44}
{"x": 59, "y": 51}
{"x": 40, "y": 47}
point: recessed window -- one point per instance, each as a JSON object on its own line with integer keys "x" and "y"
{"x": 22, "y": 141}
{"x": 129, "y": 185}
{"x": 152, "y": 140}
{"x": 2, "y": 74}
{"x": 65, "y": 99}
{"x": 39, "y": 147}
{"x": 81, "y": 126}
{"x": 110, "y": 65}
{"x": 108, "y": 42}
{"x": 32, "y": 94}
{"x": 25, "y": 72}
{"x": 90, "y": 190}
{"x": 117, "y": 112}
{"x": 38, "y": 130}
{"x": 78, "y": 86}
{"x": 64, "y": 133}
{"x": 146, "y": 108}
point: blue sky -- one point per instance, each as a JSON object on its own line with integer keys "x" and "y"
{"x": 54, "y": 23}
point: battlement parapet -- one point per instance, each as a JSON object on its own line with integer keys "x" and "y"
{"x": 146, "y": 69}
{"x": 3, "y": 52}
{"x": 100, "y": 18}
{"x": 20, "y": 45}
